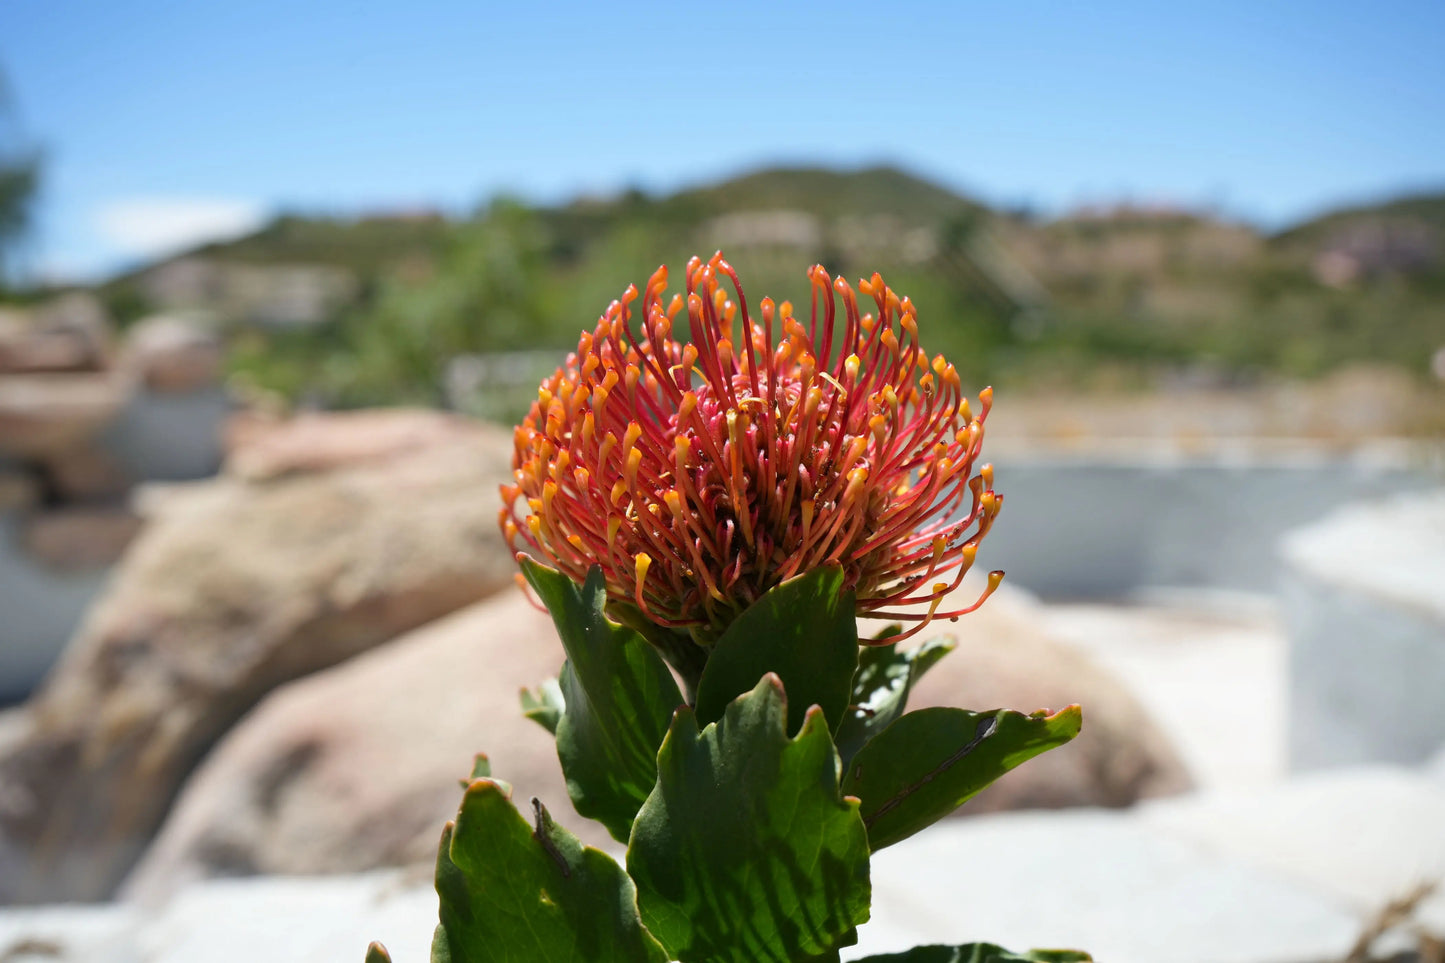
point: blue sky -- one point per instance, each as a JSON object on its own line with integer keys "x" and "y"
{"x": 167, "y": 121}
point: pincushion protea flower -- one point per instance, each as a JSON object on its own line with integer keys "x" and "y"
{"x": 699, "y": 475}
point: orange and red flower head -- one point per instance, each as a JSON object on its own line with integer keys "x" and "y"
{"x": 700, "y": 474}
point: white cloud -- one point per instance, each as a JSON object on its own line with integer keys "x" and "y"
{"x": 150, "y": 227}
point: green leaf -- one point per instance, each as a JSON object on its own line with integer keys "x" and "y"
{"x": 481, "y": 769}
{"x": 930, "y": 762}
{"x": 677, "y": 646}
{"x": 978, "y": 953}
{"x": 545, "y": 705}
{"x": 514, "y": 893}
{"x": 881, "y": 688}
{"x": 746, "y": 851}
{"x": 804, "y": 632}
{"x": 617, "y": 699}
{"x": 376, "y": 953}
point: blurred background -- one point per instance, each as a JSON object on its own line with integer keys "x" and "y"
{"x": 275, "y": 280}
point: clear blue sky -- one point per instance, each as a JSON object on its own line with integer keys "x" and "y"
{"x": 165, "y": 120}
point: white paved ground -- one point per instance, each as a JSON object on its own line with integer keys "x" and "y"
{"x": 1209, "y": 667}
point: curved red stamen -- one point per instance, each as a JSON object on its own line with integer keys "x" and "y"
{"x": 700, "y": 475}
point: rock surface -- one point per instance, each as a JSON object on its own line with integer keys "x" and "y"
{"x": 79, "y": 539}
{"x": 44, "y": 414}
{"x": 233, "y": 589}
{"x": 357, "y": 767}
{"x": 259, "y": 448}
{"x": 1005, "y": 659}
{"x": 171, "y": 353}
{"x": 69, "y": 333}
{"x": 295, "y": 787}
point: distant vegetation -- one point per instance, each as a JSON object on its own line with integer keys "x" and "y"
{"x": 1106, "y": 298}
{"x": 19, "y": 178}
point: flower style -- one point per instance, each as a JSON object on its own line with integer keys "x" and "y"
{"x": 699, "y": 475}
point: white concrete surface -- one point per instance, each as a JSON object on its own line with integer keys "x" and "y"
{"x": 1209, "y": 669}
{"x": 1356, "y": 836}
{"x": 1098, "y": 881}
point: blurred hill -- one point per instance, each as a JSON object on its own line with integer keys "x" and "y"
{"x": 375, "y": 309}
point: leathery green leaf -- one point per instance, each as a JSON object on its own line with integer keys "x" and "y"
{"x": 617, "y": 697}
{"x": 931, "y": 761}
{"x": 880, "y": 689}
{"x": 512, "y": 892}
{"x": 544, "y": 706}
{"x": 746, "y": 851}
{"x": 978, "y": 953}
{"x": 804, "y": 632}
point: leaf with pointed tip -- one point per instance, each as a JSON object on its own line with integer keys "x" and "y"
{"x": 881, "y": 688}
{"x": 746, "y": 851}
{"x": 803, "y": 631}
{"x": 376, "y": 953}
{"x": 514, "y": 893}
{"x": 978, "y": 953}
{"x": 618, "y": 698}
{"x": 545, "y": 705}
{"x": 931, "y": 761}
{"x": 481, "y": 769}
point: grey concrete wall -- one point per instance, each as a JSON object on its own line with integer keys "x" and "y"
{"x": 39, "y": 610}
{"x": 1087, "y": 528}
{"x": 1366, "y": 677}
{"x": 156, "y": 437}
{"x": 1364, "y": 606}
{"x": 169, "y": 437}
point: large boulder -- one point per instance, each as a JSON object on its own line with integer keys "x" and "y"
{"x": 171, "y": 353}
{"x": 69, "y": 333}
{"x": 45, "y": 414}
{"x": 1006, "y": 660}
{"x": 233, "y": 588}
{"x": 78, "y": 539}
{"x": 259, "y": 448}
{"x": 357, "y": 767}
